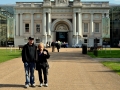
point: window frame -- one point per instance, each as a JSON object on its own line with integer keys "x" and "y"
{"x": 37, "y": 28}
{"x": 98, "y": 40}
{"x": 98, "y": 28}
{"x": 88, "y": 22}
{"x": 28, "y": 28}
{"x": 37, "y": 41}
{"x": 86, "y": 41}
{"x": 86, "y": 28}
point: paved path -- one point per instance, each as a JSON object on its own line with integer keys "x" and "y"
{"x": 69, "y": 70}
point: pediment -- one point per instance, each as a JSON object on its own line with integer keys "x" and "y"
{"x": 62, "y": 2}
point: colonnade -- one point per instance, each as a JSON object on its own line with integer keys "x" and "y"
{"x": 77, "y": 23}
{"x": 46, "y": 24}
{"x": 77, "y": 26}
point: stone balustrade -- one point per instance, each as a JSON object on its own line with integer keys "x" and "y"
{"x": 95, "y": 4}
{"x": 83, "y": 4}
{"x": 29, "y": 4}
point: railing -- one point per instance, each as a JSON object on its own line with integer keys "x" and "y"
{"x": 95, "y": 4}
{"x": 29, "y": 4}
{"x": 84, "y": 4}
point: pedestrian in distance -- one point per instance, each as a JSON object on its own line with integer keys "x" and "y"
{"x": 49, "y": 44}
{"x": 53, "y": 46}
{"x": 42, "y": 65}
{"x": 58, "y": 46}
{"x": 29, "y": 57}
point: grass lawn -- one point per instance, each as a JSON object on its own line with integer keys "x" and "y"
{"x": 113, "y": 53}
{"x": 115, "y": 66}
{"x": 105, "y": 54}
{"x": 7, "y": 54}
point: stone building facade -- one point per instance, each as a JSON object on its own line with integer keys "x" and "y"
{"x": 74, "y": 22}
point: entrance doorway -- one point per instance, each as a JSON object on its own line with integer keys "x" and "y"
{"x": 62, "y": 36}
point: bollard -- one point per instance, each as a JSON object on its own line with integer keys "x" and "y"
{"x": 95, "y": 52}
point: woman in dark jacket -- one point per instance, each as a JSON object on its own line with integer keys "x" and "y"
{"x": 42, "y": 64}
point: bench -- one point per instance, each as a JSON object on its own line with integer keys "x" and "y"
{"x": 99, "y": 47}
{"x": 20, "y": 46}
{"x": 92, "y": 48}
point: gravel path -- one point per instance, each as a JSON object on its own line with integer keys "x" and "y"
{"x": 69, "y": 70}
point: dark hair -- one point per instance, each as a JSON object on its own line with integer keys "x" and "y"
{"x": 30, "y": 38}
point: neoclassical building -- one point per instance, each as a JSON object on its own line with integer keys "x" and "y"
{"x": 74, "y": 21}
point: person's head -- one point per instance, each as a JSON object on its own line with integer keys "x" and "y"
{"x": 41, "y": 46}
{"x": 31, "y": 40}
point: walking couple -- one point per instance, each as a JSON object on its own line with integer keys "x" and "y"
{"x": 34, "y": 58}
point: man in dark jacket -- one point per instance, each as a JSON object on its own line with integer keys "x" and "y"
{"x": 29, "y": 57}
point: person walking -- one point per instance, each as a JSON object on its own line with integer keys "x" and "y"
{"x": 29, "y": 57}
{"x": 53, "y": 46}
{"x": 58, "y": 45}
{"x": 42, "y": 64}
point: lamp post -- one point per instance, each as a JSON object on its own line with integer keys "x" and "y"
{"x": 95, "y": 47}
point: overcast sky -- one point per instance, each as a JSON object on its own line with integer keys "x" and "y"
{"x": 14, "y": 1}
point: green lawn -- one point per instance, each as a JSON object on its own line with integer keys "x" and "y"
{"x": 105, "y": 54}
{"x": 115, "y": 66}
{"x": 7, "y": 54}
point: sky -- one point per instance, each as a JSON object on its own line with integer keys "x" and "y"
{"x": 14, "y": 1}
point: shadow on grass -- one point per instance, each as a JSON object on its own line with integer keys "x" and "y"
{"x": 114, "y": 71}
{"x": 15, "y": 55}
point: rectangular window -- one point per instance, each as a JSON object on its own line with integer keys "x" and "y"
{"x": 37, "y": 40}
{"x": 84, "y": 35}
{"x": 27, "y": 27}
{"x": 85, "y": 40}
{"x": 37, "y": 27}
{"x": 85, "y": 27}
{"x": 96, "y": 27}
{"x": 98, "y": 40}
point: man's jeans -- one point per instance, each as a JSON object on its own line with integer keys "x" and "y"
{"x": 29, "y": 69}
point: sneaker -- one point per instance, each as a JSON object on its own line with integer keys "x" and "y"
{"x": 26, "y": 86}
{"x": 46, "y": 85}
{"x": 33, "y": 85}
{"x": 41, "y": 84}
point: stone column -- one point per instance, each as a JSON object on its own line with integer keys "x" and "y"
{"x": 14, "y": 27}
{"x": 74, "y": 23}
{"x": 21, "y": 24}
{"x": 49, "y": 24}
{"x": 44, "y": 24}
{"x": 17, "y": 25}
{"x": 79, "y": 24}
{"x": 91, "y": 25}
{"x": 103, "y": 15}
{"x": 32, "y": 24}
{"x": 45, "y": 39}
{"x": 107, "y": 15}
